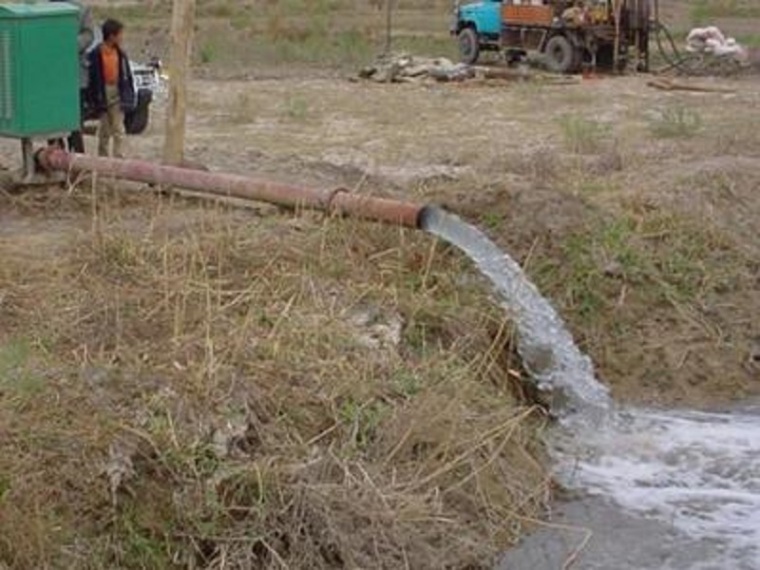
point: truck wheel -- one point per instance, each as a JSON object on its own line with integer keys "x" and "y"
{"x": 469, "y": 49}
{"x": 560, "y": 55}
{"x": 136, "y": 121}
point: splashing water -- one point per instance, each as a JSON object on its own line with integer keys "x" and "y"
{"x": 699, "y": 472}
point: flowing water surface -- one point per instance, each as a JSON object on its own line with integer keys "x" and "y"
{"x": 692, "y": 476}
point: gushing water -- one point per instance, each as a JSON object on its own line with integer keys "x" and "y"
{"x": 699, "y": 472}
{"x": 545, "y": 345}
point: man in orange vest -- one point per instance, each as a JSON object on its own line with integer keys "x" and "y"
{"x": 111, "y": 90}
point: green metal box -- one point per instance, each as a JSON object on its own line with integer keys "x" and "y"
{"x": 39, "y": 69}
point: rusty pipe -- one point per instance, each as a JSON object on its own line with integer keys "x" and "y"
{"x": 340, "y": 201}
{"x": 407, "y": 214}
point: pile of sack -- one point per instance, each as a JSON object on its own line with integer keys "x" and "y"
{"x": 712, "y": 41}
{"x": 407, "y": 68}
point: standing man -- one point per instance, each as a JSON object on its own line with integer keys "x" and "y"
{"x": 85, "y": 39}
{"x": 111, "y": 88}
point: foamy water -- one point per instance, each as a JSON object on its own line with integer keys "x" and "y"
{"x": 699, "y": 472}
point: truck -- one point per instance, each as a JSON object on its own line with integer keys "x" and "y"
{"x": 570, "y": 34}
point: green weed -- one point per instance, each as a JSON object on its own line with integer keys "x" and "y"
{"x": 661, "y": 259}
{"x": 587, "y": 257}
{"x": 207, "y": 53}
{"x": 13, "y": 358}
{"x": 362, "y": 420}
{"x": 140, "y": 547}
{"x": 406, "y": 383}
{"x": 492, "y": 220}
{"x": 222, "y": 10}
{"x": 17, "y": 374}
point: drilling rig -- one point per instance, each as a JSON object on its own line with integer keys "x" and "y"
{"x": 571, "y": 34}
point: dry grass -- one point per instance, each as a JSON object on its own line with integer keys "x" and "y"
{"x": 676, "y": 122}
{"x": 287, "y": 37}
{"x": 584, "y": 136}
{"x": 706, "y": 10}
{"x": 197, "y": 388}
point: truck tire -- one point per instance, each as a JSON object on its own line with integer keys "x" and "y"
{"x": 136, "y": 121}
{"x": 469, "y": 48}
{"x": 561, "y": 55}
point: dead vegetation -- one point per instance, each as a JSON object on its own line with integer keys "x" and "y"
{"x": 287, "y": 37}
{"x": 202, "y": 389}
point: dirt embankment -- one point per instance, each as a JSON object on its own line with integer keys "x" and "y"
{"x": 633, "y": 209}
{"x": 188, "y": 386}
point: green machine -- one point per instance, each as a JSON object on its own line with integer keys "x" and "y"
{"x": 39, "y": 74}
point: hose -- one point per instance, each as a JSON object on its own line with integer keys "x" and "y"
{"x": 674, "y": 59}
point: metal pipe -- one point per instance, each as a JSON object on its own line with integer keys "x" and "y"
{"x": 340, "y": 201}
{"x": 406, "y": 214}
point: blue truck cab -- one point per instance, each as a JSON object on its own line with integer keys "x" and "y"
{"x": 477, "y": 26}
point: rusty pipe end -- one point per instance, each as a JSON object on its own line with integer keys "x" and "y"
{"x": 405, "y": 214}
{"x": 431, "y": 217}
{"x": 52, "y": 158}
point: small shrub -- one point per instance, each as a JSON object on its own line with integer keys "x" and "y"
{"x": 297, "y": 108}
{"x": 677, "y": 122}
{"x": 583, "y": 136}
{"x": 220, "y": 11}
{"x": 207, "y": 53}
{"x": 492, "y": 220}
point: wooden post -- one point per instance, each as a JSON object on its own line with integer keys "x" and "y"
{"x": 388, "y": 26}
{"x": 618, "y": 12}
{"x": 183, "y": 21}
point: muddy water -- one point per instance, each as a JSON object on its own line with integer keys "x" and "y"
{"x": 657, "y": 489}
